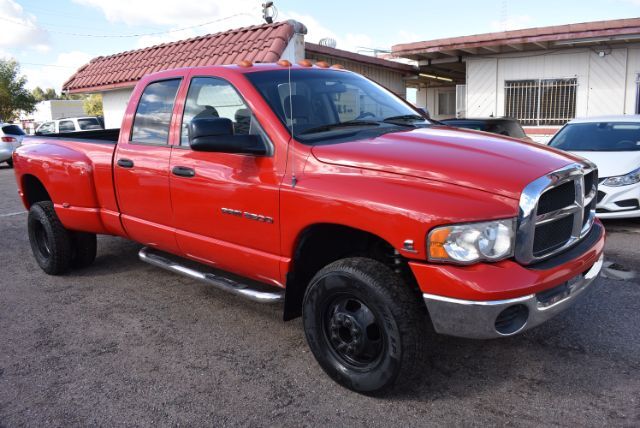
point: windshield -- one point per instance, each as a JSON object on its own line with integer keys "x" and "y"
{"x": 12, "y": 130}
{"x": 598, "y": 137}
{"x": 329, "y": 104}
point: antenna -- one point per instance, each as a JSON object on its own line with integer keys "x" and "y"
{"x": 291, "y": 144}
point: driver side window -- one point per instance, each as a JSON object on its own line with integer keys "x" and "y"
{"x": 212, "y": 97}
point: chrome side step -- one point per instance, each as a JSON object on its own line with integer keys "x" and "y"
{"x": 223, "y": 283}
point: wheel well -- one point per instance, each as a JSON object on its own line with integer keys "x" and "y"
{"x": 34, "y": 190}
{"x": 321, "y": 244}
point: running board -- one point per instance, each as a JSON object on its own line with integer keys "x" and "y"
{"x": 221, "y": 282}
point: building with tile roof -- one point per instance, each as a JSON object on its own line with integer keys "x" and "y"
{"x": 541, "y": 76}
{"x": 114, "y": 76}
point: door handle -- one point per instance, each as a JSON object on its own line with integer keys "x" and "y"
{"x": 125, "y": 163}
{"x": 183, "y": 171}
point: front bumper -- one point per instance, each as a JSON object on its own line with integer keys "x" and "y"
{"x": 502, "y": 299}
{"x": 499, "y": 318}
{"x": 618, "y": 202}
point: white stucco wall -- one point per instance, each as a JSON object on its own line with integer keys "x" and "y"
{"x": 114, "y": 105}
{"x": 606, "y": 85}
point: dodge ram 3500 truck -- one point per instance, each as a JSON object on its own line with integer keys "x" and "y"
{"x": 314, "y": 186}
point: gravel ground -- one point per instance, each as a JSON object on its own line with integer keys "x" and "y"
{"x": 124, "y": 343}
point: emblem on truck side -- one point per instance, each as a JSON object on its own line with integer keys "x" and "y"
{"x": 250, "y": 216}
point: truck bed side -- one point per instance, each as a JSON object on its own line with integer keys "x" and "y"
{"x": 75, "y": 171}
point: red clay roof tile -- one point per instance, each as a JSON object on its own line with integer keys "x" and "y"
{"x": 264, "y": 43}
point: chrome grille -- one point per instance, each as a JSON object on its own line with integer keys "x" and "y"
{"x": 556, "y": 211}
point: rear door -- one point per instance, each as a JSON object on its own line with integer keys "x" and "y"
{"x": 225, "y": 205}
{"x": 141, "y": 167}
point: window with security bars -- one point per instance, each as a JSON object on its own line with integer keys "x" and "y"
{"x": 541, "y": 101}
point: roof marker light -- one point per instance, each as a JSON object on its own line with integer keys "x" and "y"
{"x": 338, "y": 66}
{"x": 305, "y": 63}
{"x": 284, "y": 63}
{"x": 245, "y": 63}
{"x": 322, "y": 64}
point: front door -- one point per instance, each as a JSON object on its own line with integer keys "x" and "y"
{"x": 141, "y": 169}
{"x": 225, "y": 205}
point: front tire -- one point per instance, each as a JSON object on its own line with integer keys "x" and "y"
{"x": 364, "y": 325}
{"x": 50, "y": 241}
{"x": 10, "y": 163}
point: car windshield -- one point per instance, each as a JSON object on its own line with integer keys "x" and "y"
{"x": 329, "y": 104}
{"x": 598, "y": 137}
{"x": 12, "y": 130}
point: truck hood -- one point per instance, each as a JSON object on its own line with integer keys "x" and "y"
{"x": 611, "y": 164}
{"x": 467, "y": 158}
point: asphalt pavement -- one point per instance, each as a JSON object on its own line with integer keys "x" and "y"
{"x": 124, "y": 343}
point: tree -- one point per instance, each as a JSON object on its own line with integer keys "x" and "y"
{"x": 14, "y": 97}
{"x": 47, "y": 94}
{"x": 93, "y": 105}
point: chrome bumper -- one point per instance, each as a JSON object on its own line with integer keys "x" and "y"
{"x": 480, "y": 319}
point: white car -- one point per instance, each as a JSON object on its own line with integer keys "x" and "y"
{"x": 11, "y": 137}
{"x": 613, "y": 144}
{"x": 71, "y": 124}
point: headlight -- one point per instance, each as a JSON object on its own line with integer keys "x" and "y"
{"x": 472, "y": 242}
{"x": 623, "y": 180}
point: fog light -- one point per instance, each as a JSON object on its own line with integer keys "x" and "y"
{"x": 512, "y": 319}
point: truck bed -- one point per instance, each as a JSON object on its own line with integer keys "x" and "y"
{"x": 98, "y": 135}
{"x": 76, "y": 168}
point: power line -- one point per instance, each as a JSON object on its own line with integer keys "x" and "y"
{"x": 157, "y": 33}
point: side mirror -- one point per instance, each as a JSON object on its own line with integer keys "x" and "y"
{"x": 215, "y": 134}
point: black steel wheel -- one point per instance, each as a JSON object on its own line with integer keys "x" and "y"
{"x": 50, "y": 241}
{"x": 364, "y": 325}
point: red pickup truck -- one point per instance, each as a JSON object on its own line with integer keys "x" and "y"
{"x": 314, "y": 186}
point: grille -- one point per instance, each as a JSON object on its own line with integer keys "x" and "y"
{"x": 556, "y": 211}
{"x": 557, "y": 198}
{"x": 589, "y": 181}
{"x": 553, "y": 235}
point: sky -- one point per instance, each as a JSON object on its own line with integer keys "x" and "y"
{"x": 52, "y": 38}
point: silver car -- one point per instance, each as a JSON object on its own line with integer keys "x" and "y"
{"x": 11, "y": 137}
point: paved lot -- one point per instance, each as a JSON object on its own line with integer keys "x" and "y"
{"x": 125, "y": 343}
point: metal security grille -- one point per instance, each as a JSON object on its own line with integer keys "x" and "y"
{"x": 541, "y": 101}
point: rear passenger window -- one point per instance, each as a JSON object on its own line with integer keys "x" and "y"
{"x": 153, "y": 117}
{"x": 66, "y": 126}
{"x": 89, "y": 124}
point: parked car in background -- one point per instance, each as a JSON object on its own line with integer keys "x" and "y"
{"x": 495, "y": 125}
{"x": 10, "y": 138}
{"x": 613, "y": 144}
{"x": 71, "y": 124}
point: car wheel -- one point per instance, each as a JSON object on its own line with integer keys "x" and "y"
{"x": 364, "y": 325}
{"x": 10, "y": 163}
{"x": 84, "y": 247}
{"x": 50, "y": 241}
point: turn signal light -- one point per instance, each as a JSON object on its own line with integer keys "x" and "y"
{"x": 436, "y": 245}
{"x": 245, "y": 63}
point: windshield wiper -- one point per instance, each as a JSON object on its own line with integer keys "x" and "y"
{"x": 403, "y": 119}
{"x": 332, "y": 126}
